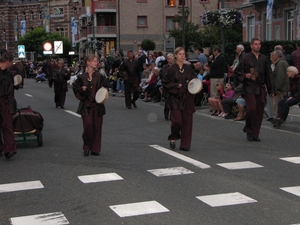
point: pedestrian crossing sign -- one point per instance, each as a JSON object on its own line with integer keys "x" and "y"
{"x": 21, "y": 51}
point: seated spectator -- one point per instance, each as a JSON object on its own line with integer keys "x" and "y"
{"x": 229, "y": 93}
{"x": 151, "y": 84}
{"x": 145, "y": 76}
{"x": 292, "y": 99}
{"x": 205, "y": 85}
{"x": 213, "y": 101}
{"x": 237, "y": 101}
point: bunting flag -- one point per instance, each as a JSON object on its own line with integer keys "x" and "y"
{"x": 23, "y": 27}
{"x": 269, "y": 9}
{"x": 47, "y": 18}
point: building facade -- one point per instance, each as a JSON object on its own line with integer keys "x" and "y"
{"x": 283, "y": 23}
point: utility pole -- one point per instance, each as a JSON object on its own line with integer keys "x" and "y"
{"x": 183, "y": 24}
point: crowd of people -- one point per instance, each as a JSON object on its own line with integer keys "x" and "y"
{"x": 251, "y": 86}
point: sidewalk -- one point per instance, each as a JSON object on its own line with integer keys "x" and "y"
{"x": 292, "y": 123}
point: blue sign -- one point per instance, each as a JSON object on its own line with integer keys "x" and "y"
{"x": 21, "y": 51}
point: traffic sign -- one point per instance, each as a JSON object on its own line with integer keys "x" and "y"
{"x": 21, "y": 51}
{"x": 58, "y": 47}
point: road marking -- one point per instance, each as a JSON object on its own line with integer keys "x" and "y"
{"x": 181, "y": 157}
{"x": 73, "y": 113}
{"x": 99, "y": 178}
{"x": 240, "y": 165}
{"x": 56, "y": 218}
{"x": 226, "y": 199}
{"x": 295, "y": 160}
{"x": 140, "y": 208}
{"x": 293, "y": 190}
{"x": 170, "y": 171}
{"x": 21, "y": 186}
{"x": 28, "y": 95}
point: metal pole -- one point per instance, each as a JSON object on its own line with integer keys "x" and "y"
{"x": 183, "y": 24}
{"x": 222, "y": 32}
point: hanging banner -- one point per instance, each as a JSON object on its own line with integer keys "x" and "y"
{"x": 23, "y": 27}
{"x": 74, "y": 30}
{"x": 16, "y": 31}
{"x": 47, "y": 18}
{"x": 269, "y": 9}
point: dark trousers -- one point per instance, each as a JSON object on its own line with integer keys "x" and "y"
{"x": 181, "y": 127}
{"x": 131, "y": 87}
{"x": 7, "y": 139}
{"x": 228, "y": 104}
{"x": 92, "y": 131}
{"x": 59, "y": 94}
{"x": 284, "y": 107}
{"x": 254, "y": 114}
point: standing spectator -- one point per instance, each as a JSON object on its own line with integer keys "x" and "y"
{"x": 217, "y": 69}
{"x": 85, "y": 88}
{"x": 50, "y": 68}
{"x": 254, "y": 71}
{"x": 2, "y": 50}
{"x": 201, "y": 57}
{"x": 8, "y": 106}
{"x": 142, "y": 58}
{"x": 60, "y": 75}
{"x": 292, "y": 99}
{"x": 296, "y": 56}
{"x": 160, "y": 60}
{"x": 180, "y": 101}
{"x": 131, "y": 73}
{"x": 281, "y": 78}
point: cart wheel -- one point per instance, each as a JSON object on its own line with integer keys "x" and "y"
{"x": 40, "y": 139}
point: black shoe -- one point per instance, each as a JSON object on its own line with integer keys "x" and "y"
{"x": 56, "y": 105}
{"x": 172, "y": 144}
{"x": 270, "y": 119}
{"x": 256, "y": 139}
{"x": 95, "y": 153}
{"x": 62, "y": 107}
{"x": 185, "y": 149}
{"x": 8, "y": 155}
{"x": 249, "y": 137}
{"x": 166, "y": 118}
{"x": 85, "y": 152}
{"x": 134, "y": 105}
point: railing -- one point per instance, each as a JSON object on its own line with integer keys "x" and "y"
{"x": 105, "y": 5}
{"x": 102, "y": 30}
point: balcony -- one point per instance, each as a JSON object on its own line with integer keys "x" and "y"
{"x": 102, "y": 31}
{"x": 105, "y": 6}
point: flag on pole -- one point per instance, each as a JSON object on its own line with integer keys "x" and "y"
{"x": 269, "y": 9}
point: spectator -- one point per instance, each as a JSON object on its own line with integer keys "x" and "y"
{"x": 160, "y": 60}
{"x": 292, "y": 99}
{"x": 142, "y": 58}
{"x": 281, "y": 78}
{"x": 217, "y": 69}
{"x": 201, "y": 57}
{"x": 229, "y": 93}
{"x": 151, "y": 84}
{"x": 213, "y": 101}
{"x": 2, "y": 50}
{"x": 296, "y": 56}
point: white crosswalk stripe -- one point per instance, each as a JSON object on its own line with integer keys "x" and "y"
{"x": 20, "y": 186}
{"x": 99, "y": 178}
{"x": 170, "y": 171}
{"x": 56, "y": 218}
{"x": 239, "y": 165}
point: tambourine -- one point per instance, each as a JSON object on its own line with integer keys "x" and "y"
{"x": 101, "y": 95}
{"x": 17, "y": 80}
{"x": 195, "y": 86}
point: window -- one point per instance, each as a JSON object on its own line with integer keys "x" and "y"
{"x": 142, "y": 21}
{"x": 31, "y": 16}
{"x": 3, "y": 17}
{"x": 23, "y": 16}
{"x": 171, "y": 2}
{"x": 141, "y": 1}
{"x": 204, "y": 1}
{"x": 16, "y": 16}
{"x": 170, "y": 24}
{"x": 250, "y": 28}
{"x": 268, "y": 29}
{"x": 289, "y": 25}
{"x": 183, "y": 2}
{"x": 39, "y": 15}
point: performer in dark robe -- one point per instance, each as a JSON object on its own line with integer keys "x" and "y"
{"x": 85, "y": 88}
{"x": 129, "y": 70}
{"x": 60, "y": 76}
{"x": 179, "y": 100}
{"x": 8, "y": 106}
{"x": 254, "y": 71}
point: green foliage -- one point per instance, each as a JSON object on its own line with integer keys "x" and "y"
{"x": 148, "y": 45}
{"x": 34, "y": 40}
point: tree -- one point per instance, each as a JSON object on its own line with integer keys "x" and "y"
{"x": 34, "y": 40}
{"x": 192, "y": 32}
{"x": 148, "y": 45}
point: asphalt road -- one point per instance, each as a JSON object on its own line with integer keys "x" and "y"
{"x": 137, "y": 179}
